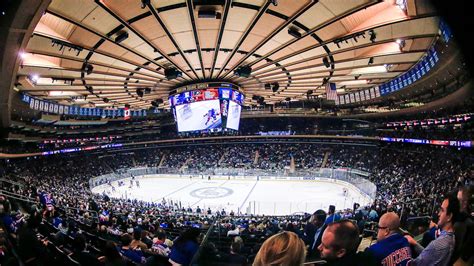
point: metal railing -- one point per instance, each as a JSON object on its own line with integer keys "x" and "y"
{"x": 203, "y": 242}
{"x": 11, "y": 182}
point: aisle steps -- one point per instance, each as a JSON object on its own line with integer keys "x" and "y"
{"x": 325, "y": 160}
{"x": 163, "y": 158}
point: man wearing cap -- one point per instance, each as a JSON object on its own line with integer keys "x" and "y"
{"x": 391, "y": 247}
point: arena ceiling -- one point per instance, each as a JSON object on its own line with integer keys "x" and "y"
{"x": 298, "y": 44}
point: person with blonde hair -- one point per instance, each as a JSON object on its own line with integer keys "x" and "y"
{"x": 284, "y": 248}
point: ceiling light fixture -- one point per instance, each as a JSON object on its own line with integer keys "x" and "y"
{"x": 172, "y": 73}
{"x": 88, "y": 68}
{"x": 294, "y": 32}
{"x": 275, "y": 86}
{"x": 243, "y": 71}
{"x": 326, "y": 62}
{"x": 145, "y": 3}
{"x": 207, "y": 14}
{"x": 34, "y": 78}
{"x": 400, "y": 43}
{"x": 373, "y": 36}
{"x": 121, "y": 36}
{"x": 65, "y": 80}
{"x": 63, "y": 44}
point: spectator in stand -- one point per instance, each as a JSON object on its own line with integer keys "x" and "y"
{"x": 318, "y": 223}
{"x": 130, "y": 253}
{"x": 391, "y": 247}
{"x": 147, "y": 238}
{"x": 333, "y": 216}
{"x": 339, "y": 245}
{"x": 185, "y": 247}
{"x": 32, "y": 251}
{"x": 235, "y": 257}
{"x": 464, "y": 229}
{"x": 284, "y": 248}
{"x": 309, "y": 229}
{"x": 6, "y": 256}
{"x": 430, "y": 234}
{"x": 112, "y": 256}
{"x": 421, "y": 172}
{"x": 136, "y": 242}
{"x": 81, "y": 254}
{"x": 235, "y": 230}
{"x": 440, "y": 250}
{"x": 373, "y": 215}
{"x": 160, "y": 250}
{"x": 159, "y": 246}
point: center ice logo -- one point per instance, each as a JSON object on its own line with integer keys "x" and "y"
{"x": 211, "y": 192}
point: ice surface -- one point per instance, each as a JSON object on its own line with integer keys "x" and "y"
{"x": 270, "y": 197}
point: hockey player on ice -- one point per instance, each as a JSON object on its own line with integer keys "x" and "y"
{"x": 211, "y": 113}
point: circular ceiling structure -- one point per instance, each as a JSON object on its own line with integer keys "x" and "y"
{"x": 108, "y": 53}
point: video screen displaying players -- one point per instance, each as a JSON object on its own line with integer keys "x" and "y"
{"x": 201, "y": 115}
{"x": 233, "y": 119}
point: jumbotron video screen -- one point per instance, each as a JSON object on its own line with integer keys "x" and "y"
{"x": 199, "y": 116}
{"x": 210, "y": 109}
{"x": 233, "y": 118}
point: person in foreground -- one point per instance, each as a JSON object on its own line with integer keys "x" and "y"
{"x": 339, "y": 245}
{"x": 185, "y": 247}
{"x": 391, "y": 247}
{"x": 318, "y": 225}
{"x": 285, "y": 249}
{"x": 440, "y": 250}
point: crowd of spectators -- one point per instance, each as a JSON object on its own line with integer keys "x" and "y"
{"x": 48, "y": 208}
{"x": 240, "y": 156}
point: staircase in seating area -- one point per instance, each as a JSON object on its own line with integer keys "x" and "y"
{"x": 107, "y": 165}
{"x": 256, "y": 157}
{"x": 185, "y": 165}
{"x": 163, "y": 158}
{"x": 222, "y": 158}
{"x": 325, "y": 160}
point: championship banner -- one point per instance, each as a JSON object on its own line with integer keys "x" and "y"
{"x": 49, "y": 107}
{"x": 126, "y": 113}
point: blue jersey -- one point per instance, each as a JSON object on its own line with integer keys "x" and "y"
{"x": 333, "y": 218}
{"x": 46, "y": 199}
{"x": 391, "y": 251}
{"x": 211, "y": 113}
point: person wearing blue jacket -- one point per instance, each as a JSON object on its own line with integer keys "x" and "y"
{"x": 392, "y": 248}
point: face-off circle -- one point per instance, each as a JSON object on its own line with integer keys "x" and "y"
{"x": 211, "y": 192}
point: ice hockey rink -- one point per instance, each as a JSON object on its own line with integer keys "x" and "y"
{"x": 269, "y": 197}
